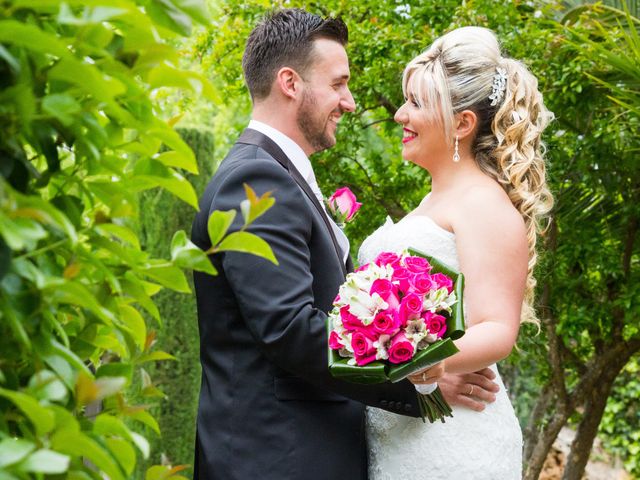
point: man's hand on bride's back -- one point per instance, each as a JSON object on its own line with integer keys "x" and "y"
{"x": 472, "y": 390}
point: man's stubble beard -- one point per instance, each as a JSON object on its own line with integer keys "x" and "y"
{"x": 311, "y": 125}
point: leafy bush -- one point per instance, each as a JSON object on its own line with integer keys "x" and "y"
{"x": 81, "y": 136}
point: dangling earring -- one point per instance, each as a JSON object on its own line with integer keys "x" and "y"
{"x": 456, "y": 153}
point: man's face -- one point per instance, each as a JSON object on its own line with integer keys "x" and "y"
{"x": 326, "y": 95}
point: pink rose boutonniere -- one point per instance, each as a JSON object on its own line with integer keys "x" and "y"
{"x": 343, "y": 206}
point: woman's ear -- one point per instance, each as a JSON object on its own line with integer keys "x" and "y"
{"x": 288, "y": 82}
{"x": 465, "y": 123}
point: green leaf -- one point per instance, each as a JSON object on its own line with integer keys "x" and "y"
{"x": 21, "y": 233}
{"x": 197, "y": 9}
{"x": 41, "y": 418}
{"x": 168, "y": 276}
{"x": 255, "y": 206}
{"x": 134, "y": 288}
{"x": 80, "y": 445}
{"x": 62, "y": 106}
{"x": 5, "y": 258}
{"x": 185, "y": 254}
{"x": 142, "y": 444}
{"x": 90, "y": 15}
{"x": 135, "y": 323}
{"x": 10, "y": 59}
{"x": 150, "y": 173}
{"x": 166, "y": 15}
{"x": 45, "y": 385}
{"x": 45, "y": 461}
{"x": 71, "y": 206}
{"x": 62, "y": 368}
{"x": 31, "y": 207}
{"x": 7, "y": 476}
{"x": 31, "y": 37}
{"x": 123, "y": 452}
{"x": 106, "y": 424}
{"x": 179, "y": 160}
{"x": 75, "y": 293}
{"x": 121, "y": 232}
{"x": 146, "y": 418}
{"x": 154, "y": 356}
{"x": 165, "y": 76}
{"x": 108, "y": 386}
{"x": 248, "y": 243}
{"x": 15, "y": 324}
{"x": 116, "y": 369}
{"x": 167, "y": 134}
{"x": 13, "y": 450}
{"x": 69, "y": 356}
{"x": 218, "y": 224}
{"x": 164, "y": 472}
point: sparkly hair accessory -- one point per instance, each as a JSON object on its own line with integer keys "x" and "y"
{"x": 499, "y": 86}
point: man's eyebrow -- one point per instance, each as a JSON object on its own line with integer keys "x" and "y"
{"x": 342, "y": 77}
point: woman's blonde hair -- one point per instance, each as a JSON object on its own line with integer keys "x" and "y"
{"x": 457, "y": 73}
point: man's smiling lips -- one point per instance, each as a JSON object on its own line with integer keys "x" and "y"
{"x": 408, "y": 135}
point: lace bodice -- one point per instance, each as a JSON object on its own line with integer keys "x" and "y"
{"x": 470, "y": 446}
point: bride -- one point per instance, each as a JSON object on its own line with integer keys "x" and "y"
{"x": 473, "y": 119}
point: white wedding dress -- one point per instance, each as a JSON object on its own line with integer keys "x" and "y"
{"x": 472, "y": 445}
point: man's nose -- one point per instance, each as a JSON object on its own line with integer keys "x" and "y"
{"x": 347, "y": 103}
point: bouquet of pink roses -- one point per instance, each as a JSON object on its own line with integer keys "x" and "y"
{"x": 395, "y": 316}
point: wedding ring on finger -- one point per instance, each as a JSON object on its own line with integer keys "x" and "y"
{"x": 424, "y": 376}
{"x": 471, "y": 390}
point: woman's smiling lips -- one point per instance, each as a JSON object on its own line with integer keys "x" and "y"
{"x": 408, "y": 135}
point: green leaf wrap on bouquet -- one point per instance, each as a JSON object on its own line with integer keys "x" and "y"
{"x": 380, "y": 372}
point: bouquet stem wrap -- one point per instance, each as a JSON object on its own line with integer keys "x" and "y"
{"x": 433, "y": 406}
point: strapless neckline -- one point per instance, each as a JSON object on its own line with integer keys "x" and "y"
{"x": 429, "y": 220}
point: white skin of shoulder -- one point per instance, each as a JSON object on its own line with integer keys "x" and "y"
{"x": 492, "y": 249}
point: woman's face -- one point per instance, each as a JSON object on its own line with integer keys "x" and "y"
{"x": 423, "y": 140}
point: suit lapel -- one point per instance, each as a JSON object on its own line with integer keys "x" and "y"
{"x": 253, "y": 137}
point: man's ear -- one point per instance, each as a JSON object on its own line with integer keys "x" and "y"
{"x": 465, "y": 123}
{"x": 288, "y": 82}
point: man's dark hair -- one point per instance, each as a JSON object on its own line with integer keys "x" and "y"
{"x": 284, "y": 38}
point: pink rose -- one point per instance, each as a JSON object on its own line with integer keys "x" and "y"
{"x": 387, "y": 291}
{"x": 354, "y": 324}
{"x": 362, "y": 267}
{"x": 365, "y": 359}
{"x": 335, "y": 342}
{"x": 386, "y": 323}
{"x": 401, "y": 349}
{"x": 363, "y": 349}
{"x": 410, "y": 307}
{"x": 423, "y": 283}
{"x": 417, "y": 264}
{"x": 402, "y": 277}
{"x": 435, "y": 323}
{"x": 349, "y": 320}
{"x": 442, "y": 281}
{"x": 387, "y": 258}
{"x": 343, "y": 204}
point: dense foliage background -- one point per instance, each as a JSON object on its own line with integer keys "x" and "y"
{"x": 80, "y": 100}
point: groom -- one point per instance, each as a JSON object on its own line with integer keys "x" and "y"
{"x": 268, "y": 407}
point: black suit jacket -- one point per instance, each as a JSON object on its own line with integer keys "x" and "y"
{"x": 268, "y": 407}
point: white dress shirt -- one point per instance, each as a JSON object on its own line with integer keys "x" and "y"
{"x": 302, "y": 163}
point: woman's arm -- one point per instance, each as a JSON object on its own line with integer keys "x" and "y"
{"x": 492, "y": 248}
